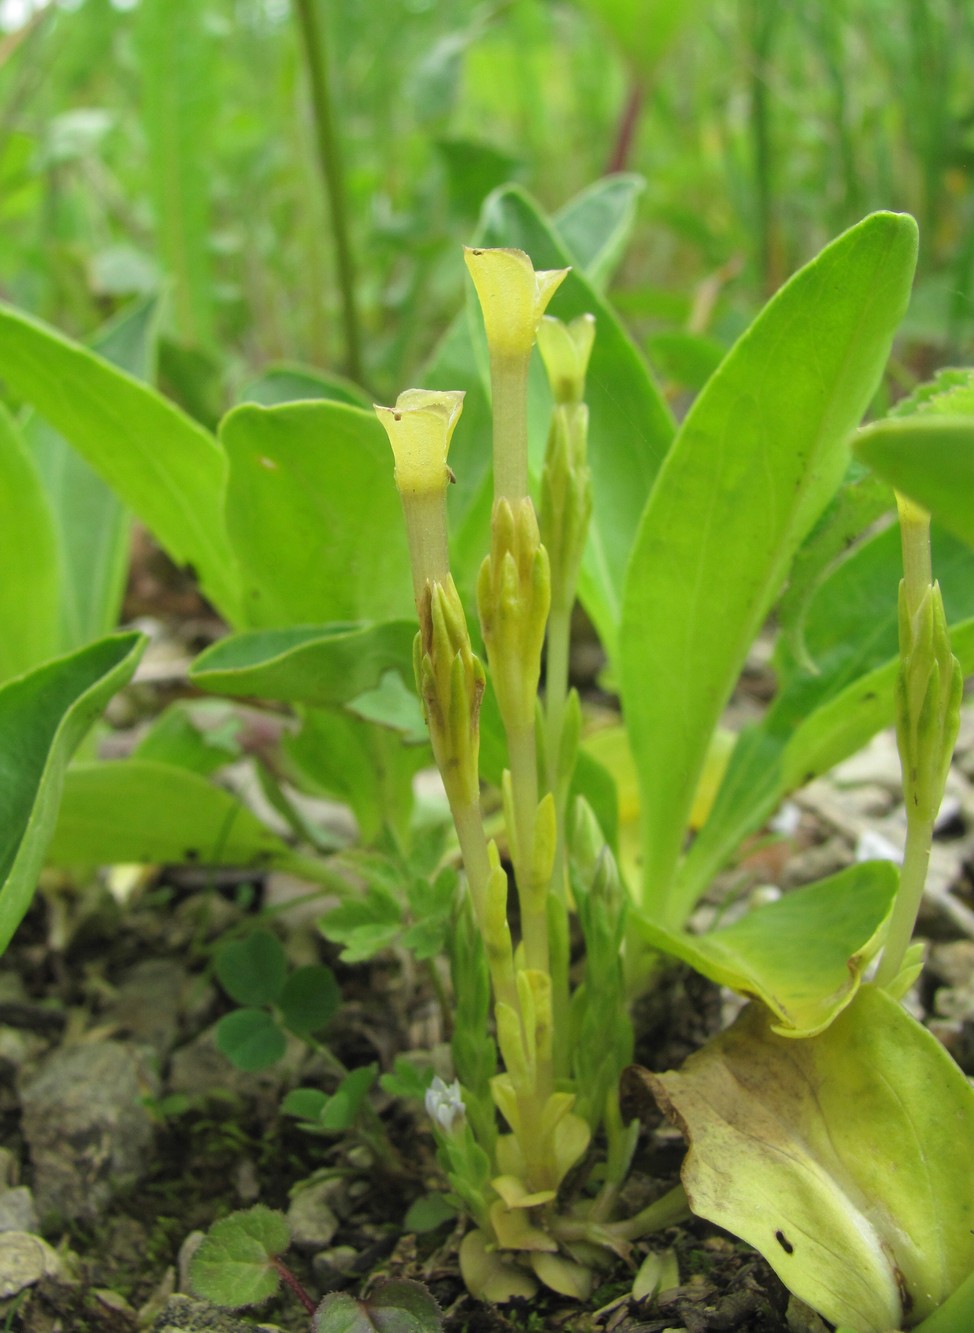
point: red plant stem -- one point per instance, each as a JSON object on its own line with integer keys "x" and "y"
{"x": 628, "y": 122}
{"x": 289, "y": 1280}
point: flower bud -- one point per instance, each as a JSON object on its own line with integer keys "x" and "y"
{"x": 565, "y": 350}
{"x": 420, "y": 428}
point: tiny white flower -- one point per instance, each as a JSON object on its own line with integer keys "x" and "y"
{"x": 444, "y": 1104}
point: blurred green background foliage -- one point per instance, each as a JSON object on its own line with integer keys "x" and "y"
{"x": 174, "y": 145}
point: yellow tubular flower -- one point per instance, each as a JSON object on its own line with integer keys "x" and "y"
{"x": 420, "y": 428}
{"x": 512, "y": 296}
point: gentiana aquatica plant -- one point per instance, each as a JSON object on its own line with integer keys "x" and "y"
{"x": 556, "y": 1089}
{"x": 778, "y": 1155}
{"x": 680, "y": 542}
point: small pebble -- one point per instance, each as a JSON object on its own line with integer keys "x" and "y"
{"x": 313, "y": 1223}
{"x": 24, "y": 1260}
{"x": 17, "y": 1211}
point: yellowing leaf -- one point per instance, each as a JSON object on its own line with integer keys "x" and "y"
{"x": 489, "y": 1276}
{"x": 846, "y": 1159}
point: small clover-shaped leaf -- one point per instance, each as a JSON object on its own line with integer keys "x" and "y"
{"x": 310, "y": 997}
{"x": 407, "y": 1080}
{"x": 252, "y": 970}
{"x": 395, "y": 1306}
{"x": 304, "y": 1103}
{"x": 431, "y": 907}
{"x": 345, "y": 1102}
{"x": 429, "y": 1212}
{"x": 364, "y": 925}
{"x": 234, "y": 1265}
{"x": 250, "y": 1039}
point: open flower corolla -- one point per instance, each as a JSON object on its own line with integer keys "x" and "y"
{"x": 513, "y": 297}
{"x": 420, "y": 428}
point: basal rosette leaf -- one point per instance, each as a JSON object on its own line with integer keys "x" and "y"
{"x": 319, "y": 665}
{"x": 930, "y": 458}
{"x": 846, "y": 1159}
{"x": 44, "y": 715}
{"x": 753, "y": 466}
{"x": 803, "y": 955}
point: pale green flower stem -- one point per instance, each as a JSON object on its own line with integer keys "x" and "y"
{"x": 523, "y": 759}
{"x": 556, "y": 696}
{"x": 668, "y": 1211}
{"x": 429, "y": 559}
{"x": 468, "y": 822}
{"x": 913, "y": 876}
{"x": 917, "y": 580}
{"x": 509, "y": 384}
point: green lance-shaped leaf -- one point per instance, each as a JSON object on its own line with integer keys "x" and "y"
{"x": 817, "y": 720}
{"x": 178, "y": 51}
{"x": 803, "y": 955}
{"x": 167, "y": 469}
{"x": 93, "y": 527}
{"x": 319, "y": 665}
{"x": 753, "y": 466}
{"x": 846, "y": 1159}
{"x": 930, "y": 458}
{"x": 645, "y": 30}
{"x": 136, "y": 810}
{"x": 307, "y": 480}
{"x": 234, "y": 1265}
{"x": 43, "y": 717}
{"x": 596, "y": 225}
{"x": 29, "y": 560}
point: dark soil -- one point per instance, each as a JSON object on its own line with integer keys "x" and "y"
{"x": 227, "y": 1146}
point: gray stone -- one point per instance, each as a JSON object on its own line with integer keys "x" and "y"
{"x": 332, "y": 1268}
{"x": 17, "y": 1211}
{"x": 148, "y": 1003}
{"x": 877, "y": 764}
{"x": 246, "y": 1181}
{"x": 182, "y": 1314}
{"x": 86, "y": 1126}
{"x": 952, "y": 962}
{"x": 9, "y": 1169}
{"x": 24, "y": 1260}
{"x": 313, "y": 1223}
{"x": 199, "y": 1068}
